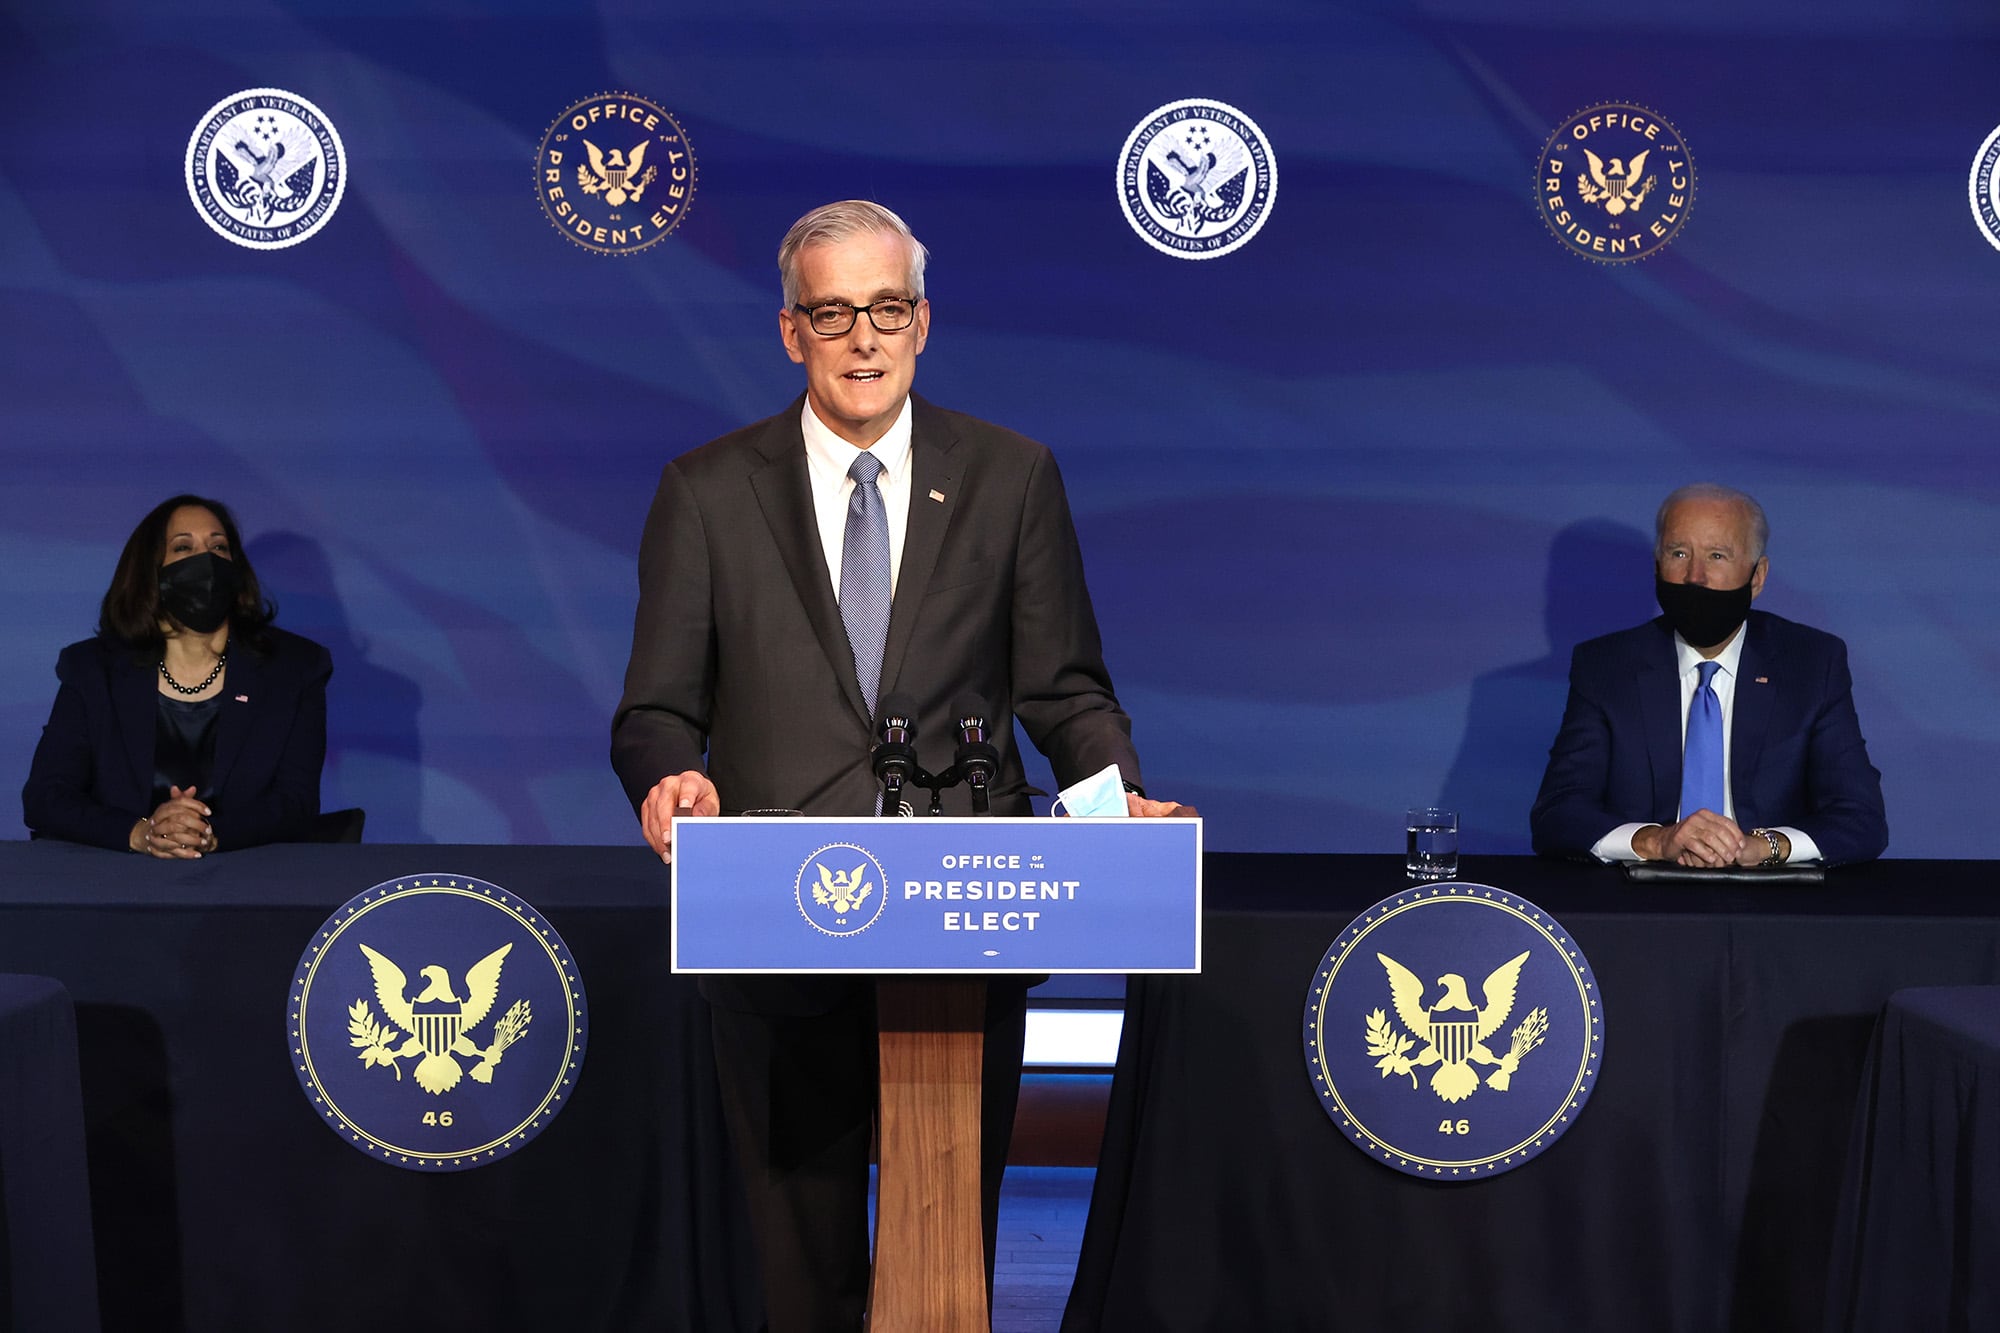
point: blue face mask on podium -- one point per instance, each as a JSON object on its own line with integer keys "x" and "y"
{"x": 1099, "y": 796}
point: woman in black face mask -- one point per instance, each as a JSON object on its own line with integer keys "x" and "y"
{"x": 189, "y": 724}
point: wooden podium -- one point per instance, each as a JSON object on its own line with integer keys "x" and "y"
{"x": 930, "y": 1249}
{"x": 929, "y": 908}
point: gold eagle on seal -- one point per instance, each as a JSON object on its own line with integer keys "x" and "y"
{"x": 1618, "y": 185}
{"x": 1453, "y": 1031}
{"x": 616, "y": 175}
{"x": 842, "y": 890}
{"x": 436, "y": 1020}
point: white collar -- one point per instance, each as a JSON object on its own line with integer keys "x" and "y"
{"x": 892, "y": 451}
{"x": 1729, "y": 659}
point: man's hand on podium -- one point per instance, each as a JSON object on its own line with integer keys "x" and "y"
{"x": 689, "y": 793}
{"x": 1140, "y": 808}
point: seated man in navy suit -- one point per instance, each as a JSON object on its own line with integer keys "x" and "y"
{"x": 1714, "y": 735}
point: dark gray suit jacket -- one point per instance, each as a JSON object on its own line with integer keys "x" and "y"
{"x": 740, "y": 664}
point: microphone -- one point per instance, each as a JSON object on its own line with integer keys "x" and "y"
{"x": 976, "y": 759}
{"x": 894, "y": 757}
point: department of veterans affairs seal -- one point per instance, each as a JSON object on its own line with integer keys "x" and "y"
{"x": 1453, "y": 1031}
{"x": 615, "y": 174}
{"x": 437, "y": 1022}
{"x": 1616, "y": 183}
{"x": 1984, "y": 188}
{"x": 265, "y": 168}
{"x": 1196, "y": 179}
{"x": 840, "y": 889}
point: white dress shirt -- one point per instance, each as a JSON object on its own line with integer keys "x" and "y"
{"x": 1617, "y": 844}
{"x": 827, "y": 459}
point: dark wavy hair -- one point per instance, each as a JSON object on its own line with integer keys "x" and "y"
{"x": 131, "y": 609}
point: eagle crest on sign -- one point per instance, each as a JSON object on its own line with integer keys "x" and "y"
{"x": 616, "y": 175}
{"x": 1619, "y": 186}
{"x": 842, "y": 890}
{"x": 436, "y": 1020}
{"x": 1453, "y": 1031}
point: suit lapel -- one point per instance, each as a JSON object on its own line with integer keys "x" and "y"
{"x": 1750, "y": 718}
{"x": 784, "y": 493}
{"x": 1660, "y": 703}
{"x": 932, "y": 472}
{"x": 240, "y": 688}
{"x": 135, "y": 692}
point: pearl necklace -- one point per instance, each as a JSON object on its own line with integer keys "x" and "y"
{"x": 192, "y": 690}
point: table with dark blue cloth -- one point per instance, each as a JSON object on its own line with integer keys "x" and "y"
{"x": 221, "y": 1201}
{"x": 1918, "y": 1246}
{"x": 1695, "y": 1192}
{"x": 47, "y": 1272}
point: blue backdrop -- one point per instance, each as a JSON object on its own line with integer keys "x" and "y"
{"x": 1347, "y": 495}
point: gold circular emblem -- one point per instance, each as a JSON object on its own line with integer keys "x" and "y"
{"x": 615, "y": 173}
{"x": 437, "y": 1023}
{"x": 1615, "y": 183}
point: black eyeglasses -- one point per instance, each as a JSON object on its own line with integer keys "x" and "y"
{"x": 830, "y": 319}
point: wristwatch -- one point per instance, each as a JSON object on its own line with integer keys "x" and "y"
{"x": 1777, "y": 856}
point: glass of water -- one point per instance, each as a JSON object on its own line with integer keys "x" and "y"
{"x": 1432, "y": 850}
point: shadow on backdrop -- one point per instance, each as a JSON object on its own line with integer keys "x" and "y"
{"x": 371, "y": 711}
{"x": 1598, "y": 581}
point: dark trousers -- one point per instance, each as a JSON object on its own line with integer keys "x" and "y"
{"x": 799, "y": 1096}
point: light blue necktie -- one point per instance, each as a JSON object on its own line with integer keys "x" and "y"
{"x": 1701, "y": 753}
{"x": 864, "y": 576}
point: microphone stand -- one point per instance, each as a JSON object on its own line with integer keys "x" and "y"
{"x": 895, "y": 761}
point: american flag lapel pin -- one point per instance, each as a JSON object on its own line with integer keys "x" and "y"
{"x": 243, "y": 698}
{"x": 1763, "y": 680}
{"x": 938, "y": 496}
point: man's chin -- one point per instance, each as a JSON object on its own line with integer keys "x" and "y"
{"x": 867, "y": 413}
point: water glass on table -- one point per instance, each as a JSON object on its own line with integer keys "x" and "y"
{"x": 1432, "y": 850}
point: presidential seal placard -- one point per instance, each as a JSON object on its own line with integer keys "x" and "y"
{"x": 265, "y": 168}
{"x": 1615, "y": 183}
{"x": 814, "y": 894}
{"x": 437, "y": 1022}
{"x": 840, "y": 889}
{"x": 1453, "y": 1031}
{"x": 615, "y": 173}
{"x": 1196, "y": 179}
{"x": 1984, "y": 188}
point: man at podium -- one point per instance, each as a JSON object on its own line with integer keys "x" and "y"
{"x": 861, "y": 545}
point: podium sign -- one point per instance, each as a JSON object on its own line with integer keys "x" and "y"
{"x": 944, "y": 895}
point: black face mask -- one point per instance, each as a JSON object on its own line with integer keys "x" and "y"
{"x": 200, "y": 591}
{"x": 1702, "y": 616}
